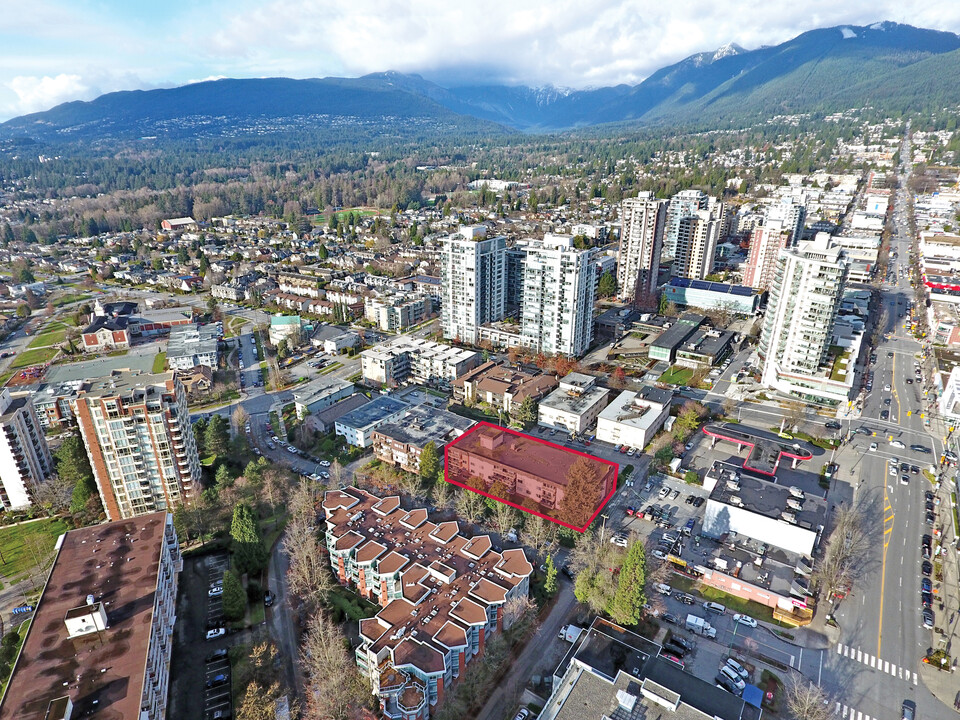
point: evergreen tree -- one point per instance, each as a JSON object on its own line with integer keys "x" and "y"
{"x": 322, "y": 252}
{"x": 626, "y": 607}
{"x": 550, "y": 583}
{"x": 527, "y": 411}
{"x": 249, "y": 553}
{"x": 199, "y": 434}
{"x": 429, "y": 462}
{"x": 234, "y": 599}
{"x": 217, "y": 436}
{"x": 607, "y": 285}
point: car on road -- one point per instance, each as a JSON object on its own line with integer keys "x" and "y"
{"x": 873, "y": 447}
{"x": 832, "y": 425}
{"x": 292, "y": 449}
{"x": 920, "y": 449}
{"x": 930, "y": 519}
{"x": 218, "y": 679}
{"x": 904, "y": 479}
{"x": 886, "y": 388}
{"x": 216, "y": 633}
{"x": 688, "y": 447}
{"x": 684, "y": 598}
{"x": 884, "y": 414}
{"x": 745, "y": 620}
{"x": 897, "y": 444}
{"x": 631, "y": 510}
{"x": 950, "y": 455}
{"x": 670, "y": 618}
{"x": 928, "y": 618}
{"x": 324, "y": 463}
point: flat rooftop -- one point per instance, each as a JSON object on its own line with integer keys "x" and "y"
{"x": 424, "y": 424}
{"x": 673, "y": 336}
{"x": 372, "y": 413}
{"x": 131, "y": 386}
{"x": 91, "y": 369}
{"x": 574, "y": 402}
{"x": 526, "y": 454}
{"x": 118, "y": 564}
{"x": 766, "y": 498}
{"x": 193, "y": 339}
{"x": 318, "y": 389}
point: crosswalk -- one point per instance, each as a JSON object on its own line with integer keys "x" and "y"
{"x": 875, "y": 662}
{"x": 848, "y": 713}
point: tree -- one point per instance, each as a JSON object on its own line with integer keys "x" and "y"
{"x": 627, "y": 604}
{"x": 240, "y": 418}
{"x": 594, "y": 563}
{"x": 73, "y": 465}
{"x": 550, "y": 582}
{"x": 504, "y": 516}
{"x": 807, "y": 701}
{"x": 334, "y": 687}
{"x": 539, "y": 534}
{"x": 309, "y": 574}
{"x": 618, "y": 378}
{"x": 607, "y": 285}
{"x": 283, "y": 348}
{"x": 249, "y": 552}
{"x": 470, "y": 506}
{"x": 582, "y": 494}
{"x": 429, "y": 462}
{"x": 259, "y": 703}
{"x": 223, "y": 477}
{"x": 526, "y": 412}
{"x": 234, "y": 598}
{"x": 200, "y": 435}
{"x": 23, "y": 310}
{"x": 322, "y": 252}
{"x": 216, "y": 439}
{"x": 848, "y": 546}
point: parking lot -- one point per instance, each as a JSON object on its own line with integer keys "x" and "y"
{"x": 200, "y": 668}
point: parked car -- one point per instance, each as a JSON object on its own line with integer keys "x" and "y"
{"x": 738, "y": 668}
{"x": 215, "y": 591}
{"x": 220, "y": 654}
{"x": 670, "y": 618}
{"x": 216, "y": 680}
{"x": 897, "y": 444}
{"x": 216, "y": 633}
{"x": 745, "y": 620}
{"x": 522, "y": 715}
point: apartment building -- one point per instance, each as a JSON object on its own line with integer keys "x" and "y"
{"x": 192, "y": 345}
{"x": 473, "y": 280}
{"x": 442, "y": 596}
{"x": 556, "y": 315}
{"x": 768, "y": 238}
{"x": 502, "y": 386}
{"x": 412, "y": 358}
{"x": 102, "y": 633}
{"x": 696, "y": 241}
{"x": 400, "y": 442}
{"x": 25, "y": 460}
{"x": 396, "y": 314}
{"x": 797, "y": 332}
{"x": 682, "y": 205}
{"x": 642, "y": 219}
{"x": 137, "y": 432}
{"x": 633, "y": 418}
{"x": 529, "y": 468}
{"x": 575, "y": 405}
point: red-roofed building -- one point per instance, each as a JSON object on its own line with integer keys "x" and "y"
{"x": 442, "y": 596}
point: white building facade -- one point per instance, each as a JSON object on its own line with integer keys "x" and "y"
{"x": 25, "y": 460}
{"x": 473, "y": 285}
{"x": 641, "y": 239}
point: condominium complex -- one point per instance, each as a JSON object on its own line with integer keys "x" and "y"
{"x": 696, "y": 241}
{"x": 442, "y": 596}
{"x": 558, "y": 292}
{"x": 805, "y": 296}
{"x": 396, "y": 313}
{"x": 417, "y": 359}
{"x": 782, "y": 227}
{"x": 24, "y": 458}
{"x": 102, "y": 633}
{"x": 684, "y": 204}
{"x": 641, "y": 237}
{"x": 473, "y": 277}
{"x": 136, "y": 428}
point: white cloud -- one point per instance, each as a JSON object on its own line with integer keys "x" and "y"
{"x": 41, "y": 93}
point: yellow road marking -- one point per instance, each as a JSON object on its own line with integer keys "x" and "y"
{"x": 887, "y": 531}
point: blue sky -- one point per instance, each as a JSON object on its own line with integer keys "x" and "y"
{"x": 52, "y": 51}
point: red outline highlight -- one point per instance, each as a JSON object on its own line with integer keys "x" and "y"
{"x": 543, "y": 442}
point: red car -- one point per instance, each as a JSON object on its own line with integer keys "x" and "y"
{"x": 631, "y": 510}
{"x": 624, "y": 449}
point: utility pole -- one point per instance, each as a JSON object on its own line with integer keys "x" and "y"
{"x": 603, "y": 528}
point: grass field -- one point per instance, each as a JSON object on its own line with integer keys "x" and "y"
{"x": 22, "y": 546}
{"x": 37, "y": 356}
{"x": 67, "y": 299}
{"x": 53, "y": 334}
{"x": 677, "y": 376}
{"x": 159, "y": 361}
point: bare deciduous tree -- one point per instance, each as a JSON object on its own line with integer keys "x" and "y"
{"x": 517, "y": 609}
{"x": 846, "y": 549}
{"x": 539, "y": 534}
{"x": 808, "y": 701}
{"x": 470, "y": 506}
{"x": 334, "y": 687}
{"x": 309, "y": 576}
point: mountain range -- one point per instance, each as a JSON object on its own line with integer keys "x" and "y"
{"x": 886, "y": 65}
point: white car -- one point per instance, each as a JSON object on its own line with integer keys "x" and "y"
{"x": 619, "y": 539}
{"x": 745, "y": 620}
{"x": 215, "y": 591}
{"x": 737, "y": 668}
{"x": 216, "y": 633}
{"x": 324, "y": 463}
{"x": 897, "y": 444}
{"x": 873, "y": 447}
{"x": 893, "y": 470}
{"x": 886, "y": 388}
{"x": 292, "y": 449}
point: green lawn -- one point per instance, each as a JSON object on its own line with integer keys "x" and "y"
{"x": 37, "y": 356}
{"x": 22, "y": 631}
{"x": 67, "y": 299}
{"x": 159, "y": 361}
{"x": 677, "y": 375}
{"x": 22, "y": 545}
{"x": 49, "y": 336}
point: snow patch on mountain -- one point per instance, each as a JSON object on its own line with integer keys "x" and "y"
{"x": 726, "y": 51}
{"x": 847, "y": 33}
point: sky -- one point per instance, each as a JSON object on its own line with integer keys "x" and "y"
{"x": 53, "y": 51}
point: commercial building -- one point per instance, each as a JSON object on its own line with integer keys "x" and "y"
{"x": 633, "y": 418}
{"x": 100, "y": 641}
{"x": 502, "y": 386}
{"x": 137, "y": 432}
{"x": 556, "y": 313}
{"x": 326, "y": 420}
{"x": 285, "y": 327}
{"x": 25, "y": 460}
{"x": 705, "y": 348}
{"x": 667, "y": 344}
{"x": 442, "y": 596}
{"x": 612, "y": 673}
{"x": 529, "y": 468}
{"x": 797, "y": 333}
{"x": 357, "y": 426}
{"x": 417, "y": 359}
{"x": 642, "y": 219}
{"x": 321, "y": 393}
{"x": 400, "y": 442}
{"x": 473, "y": 278}
{"x": 192, "y": 345}
{"x": 705, "y": 295}
{"x": 574, "y": 405}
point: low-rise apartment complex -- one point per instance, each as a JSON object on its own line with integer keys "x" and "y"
{"x": 575, "y": 405}
{"x": 416, "y": 359}
{"x": 443, "y": 595}
{"x": 501, "y": 386}
{"x": 401, "y": 441}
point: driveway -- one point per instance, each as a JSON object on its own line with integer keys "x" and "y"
{"x": 505, "y": 697}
